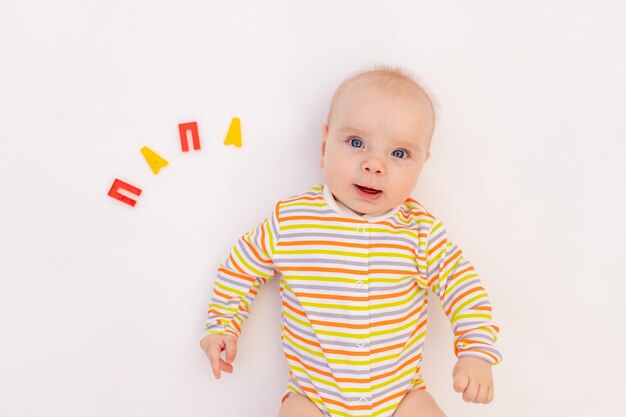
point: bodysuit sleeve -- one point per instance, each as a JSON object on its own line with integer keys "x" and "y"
{"x": 239, "y": 278}
{"x": 464, "y": 300}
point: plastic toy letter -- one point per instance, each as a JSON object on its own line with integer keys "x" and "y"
{"x": 233, "y": 137}
{"x": 155, "y": 161}
{"x": 183, "y": 128}
{"x": 119, "y": 184}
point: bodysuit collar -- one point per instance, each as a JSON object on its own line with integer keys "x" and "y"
{"x": 346, "y": 212}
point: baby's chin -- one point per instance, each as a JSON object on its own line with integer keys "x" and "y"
{"x": 364, "y": 207}
{"x": 363, "y": 210}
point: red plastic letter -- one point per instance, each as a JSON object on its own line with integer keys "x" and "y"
{"x": 117, "y": 184}
{"x": 183, "y": 128}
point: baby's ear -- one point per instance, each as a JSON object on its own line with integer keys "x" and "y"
{"x": 427, "y": 156}
{"x": 324, "y": 132}
{"x": 323, "y": 149}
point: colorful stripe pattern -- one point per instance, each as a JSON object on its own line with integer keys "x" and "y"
{"x": 354, "y": 299}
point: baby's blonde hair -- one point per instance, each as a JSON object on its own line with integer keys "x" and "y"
{"x": 395, "y": 78}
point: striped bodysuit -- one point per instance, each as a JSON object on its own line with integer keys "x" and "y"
{"x": 354, "y": 298}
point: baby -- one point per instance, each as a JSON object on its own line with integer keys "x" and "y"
{"x": 356, "y": 257}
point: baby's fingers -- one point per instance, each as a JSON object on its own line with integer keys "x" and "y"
{"x": 471, "y": 392}
{"x": 460, "y": 381}
{"x": 226, "y": 367}
{"x": 489, "y": 395}
{"x": 230, "y": 348}
{"x": 216, "y": 362}
{"x": 483, "y": 393}
{"x": 221, "y": 365}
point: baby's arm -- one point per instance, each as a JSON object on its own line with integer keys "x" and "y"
{"x": 453, "y": 279}
{"x": 238, "y": 281}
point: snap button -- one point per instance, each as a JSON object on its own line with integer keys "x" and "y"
{"x": 360, "y": 343}
{"x": 360, "y": 229}
{"x": 360, "y": 284}
{"x": 363, "y": 401}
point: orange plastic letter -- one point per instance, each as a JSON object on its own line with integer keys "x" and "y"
{"x": 183, "y": 128}
{"x": 119, "y": 184}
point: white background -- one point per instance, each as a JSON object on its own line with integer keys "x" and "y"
{"x": 102, "y": 305}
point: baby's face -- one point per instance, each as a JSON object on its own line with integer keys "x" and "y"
{"x": 375, "y": 145}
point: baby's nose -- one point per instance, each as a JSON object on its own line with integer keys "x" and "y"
{"x": 373, "y": 166}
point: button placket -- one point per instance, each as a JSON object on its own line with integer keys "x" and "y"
{"x": 362, "y": 228}
{"x": 362, "y": 288}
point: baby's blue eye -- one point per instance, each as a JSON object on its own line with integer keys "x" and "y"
{"x": 399, "y": 153}
{"x": 356, "y": 142}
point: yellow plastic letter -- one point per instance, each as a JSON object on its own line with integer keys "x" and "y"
{"x": 155, "y": 161}
{"x": 233, "y": 137}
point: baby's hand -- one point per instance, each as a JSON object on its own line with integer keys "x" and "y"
{"x": 213, "y": 345}
{"x": 472, "y": 377}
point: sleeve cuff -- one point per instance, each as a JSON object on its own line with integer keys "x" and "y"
{"x": 219, "y": 330}
{"x": 482, "y": 351}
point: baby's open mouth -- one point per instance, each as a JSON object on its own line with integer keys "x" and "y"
{"x": 368, "y": 190}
